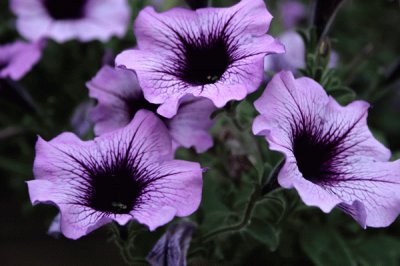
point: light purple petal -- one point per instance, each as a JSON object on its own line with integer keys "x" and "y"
{"x": 311, "y": 194}
{"x": 18, "y": 58}
{"x": 55, "y": 227}
{"x": 355, "y": 175}
{"x": 189, "y": 128}
{"x": 177, "y": 193}
{"x": 376, "y": 186}
{"x": 76, "y": 220}
{"x": 355, "y": 210}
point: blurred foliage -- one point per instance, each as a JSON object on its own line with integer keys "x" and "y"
{"x": 282, "y": 230}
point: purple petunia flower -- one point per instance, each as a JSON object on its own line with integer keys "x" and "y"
{"x": 18, "y": 58}
{"x": 291, "y": 12}
{"x": 172, "y": 247}
{"x": 125, "y": 175}
{"x": 293, "y": 59}
{"x": 216, "y": 53}
{"x": 64, "y": 20}
{"x": 119, "y": 97}
{"x": 80, "y": 120}
{"x": 332, "y": 159}
{"x": 295, "y": 56}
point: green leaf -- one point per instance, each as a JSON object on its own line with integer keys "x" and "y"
{"x": 378, "y": 250}
{"x": 396, "y": 155}
{"x": 263, "y": 232}
{"x": 245, "y": 113}
{"x": 324, "y": 246}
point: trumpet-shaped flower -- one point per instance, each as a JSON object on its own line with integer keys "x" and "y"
{"x": 216, "y": 53}
{"x": 119, "y": 97}
{"x": 331, "y": 157}
{"x": 64, "y": 20}
{"x": 172, "y": 247}
{"x": 291, "y": 13}
{"x": 128, "y": 174}
{"x": 295, "y": 56}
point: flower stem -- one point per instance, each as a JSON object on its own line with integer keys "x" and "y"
{"x": 232, "y": 115}
{"x": 123, "y": 238}
{"x": 258, "y": 194}
{"x": 254, "y": 198}
{"x": 272, "y": 182}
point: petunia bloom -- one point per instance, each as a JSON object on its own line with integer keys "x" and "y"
{"x": 293, "y": 59}
{"x": 216, "y": 53}
{"x": 119, "y": 97}
{"x": 125, "y": 175}
{"x": 331, "y": 157}
{"x": 64, "y": 20}
{"x": 172, "y": 247}
{"x": 18, "y": 58}
{"x": 295, "y": 56}
{"x": 80, "y": 120}
{"x": 291, "y": 12}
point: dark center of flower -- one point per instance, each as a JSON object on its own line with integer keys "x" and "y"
{"x": 313, "y": 156}
{"x": 321, "y": 150}
{"x": 3, "y": 65}
{"x": 204, "y": 61}
{"x": 65, "y": 9}
{"x": 136, "y": 104}
{"x": 115, "y": 189}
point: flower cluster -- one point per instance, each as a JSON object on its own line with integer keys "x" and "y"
{"x": 165, "y": 94}
{"x": 187, "y": 61}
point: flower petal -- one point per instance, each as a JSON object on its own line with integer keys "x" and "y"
{"x": 177, "y": 193}
{"x": 190, "y": 126}
{"x": 19, "y": 58}
{"x": 113, "y": 89}
{"x": 172, "y": 247}
{"x": 76, "y": 221}
{"x": 376, "y": 186}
